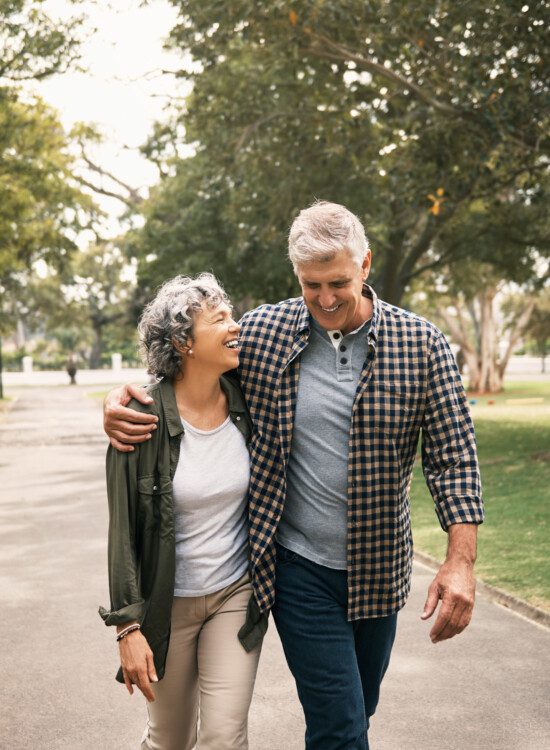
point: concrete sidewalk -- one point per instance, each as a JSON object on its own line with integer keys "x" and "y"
{"x": 488, "y": 689}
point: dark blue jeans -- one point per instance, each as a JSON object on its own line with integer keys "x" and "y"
{"x": 338, "y": 665}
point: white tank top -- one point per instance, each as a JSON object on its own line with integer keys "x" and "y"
{"x": 210, "y": 492}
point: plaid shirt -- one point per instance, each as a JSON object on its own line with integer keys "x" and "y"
{"x": 409, "y": 383}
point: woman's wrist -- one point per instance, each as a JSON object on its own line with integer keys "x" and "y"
{"x": 127, "y": 630}
{"x": 119, "y": 628}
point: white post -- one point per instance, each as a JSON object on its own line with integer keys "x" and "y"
{"x": 27, "y": 364}
{"x": 116, "y": 362}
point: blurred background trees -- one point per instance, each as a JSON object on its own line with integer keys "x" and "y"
{"x": 415, "y": 117}
{"x": 429, "y": 122}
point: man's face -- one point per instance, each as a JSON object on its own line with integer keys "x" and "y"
{"x": 332, "y": 292}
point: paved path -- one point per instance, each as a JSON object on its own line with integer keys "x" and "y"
{"x": 489, "y": 689}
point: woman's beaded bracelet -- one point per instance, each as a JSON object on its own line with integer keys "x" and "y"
{"x": 129, "y": 629}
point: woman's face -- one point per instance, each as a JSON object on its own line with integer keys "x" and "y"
{"x": 214, "y": 341}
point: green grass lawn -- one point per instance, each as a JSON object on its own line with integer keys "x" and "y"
{"x": 514, "y": 452}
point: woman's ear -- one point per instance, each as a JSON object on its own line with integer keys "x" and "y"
{"x": 186, "y": 350}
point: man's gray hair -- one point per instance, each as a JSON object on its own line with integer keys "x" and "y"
{"x": 322, "y": 231}
{"x": 169, "y": 318}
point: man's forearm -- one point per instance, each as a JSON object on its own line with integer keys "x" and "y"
{"x": 462, "y": 543}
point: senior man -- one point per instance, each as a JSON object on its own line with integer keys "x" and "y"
{"x": 340, "y": 385}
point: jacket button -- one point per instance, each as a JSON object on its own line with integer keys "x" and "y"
{"x": 154, "y": 487}
{"x": 238, "y": 419}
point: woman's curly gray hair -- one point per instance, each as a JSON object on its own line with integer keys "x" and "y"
{"x": 169, "y": 318}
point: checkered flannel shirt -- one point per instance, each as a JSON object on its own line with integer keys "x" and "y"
{"x": 409, "y": 383}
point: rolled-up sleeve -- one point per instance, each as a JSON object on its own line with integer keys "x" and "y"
{"x": 449, "y": 454}
{"x": 127, "y": 603}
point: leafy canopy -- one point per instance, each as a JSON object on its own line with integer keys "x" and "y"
{"x": 408, "y": 113}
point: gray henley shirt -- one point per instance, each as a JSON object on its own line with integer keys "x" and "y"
{"x": 314, "y": 520}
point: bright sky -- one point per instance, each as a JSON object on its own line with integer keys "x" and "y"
{"x": 120, "y": 90}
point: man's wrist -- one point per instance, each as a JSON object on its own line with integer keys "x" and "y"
{"x": 459, "y": 558}
{"x": 462, "y": 544}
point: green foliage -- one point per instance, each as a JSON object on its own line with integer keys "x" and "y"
{"x": 412, "y": 115}
{"x": 86, "y": 308}
{"x": 33, "y": 45}
{"x": 39, "y": 205}
{"x": 41, "y": 208}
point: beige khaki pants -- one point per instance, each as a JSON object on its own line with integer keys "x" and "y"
{"x": 207, "y": 670}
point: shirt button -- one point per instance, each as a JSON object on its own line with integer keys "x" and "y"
{"x": 343, "y": 360}
{"x": 337, "y": 334}
{"x": 343, "y": 348}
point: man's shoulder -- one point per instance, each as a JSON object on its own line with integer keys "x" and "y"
{"x": 408, "y": 321}
{"x": 273, "y": 314}
{"x": 276, "y": 309}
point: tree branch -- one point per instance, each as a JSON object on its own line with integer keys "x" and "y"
{"x": 132, "y": 200}
{"x": 103, "y": 191}
{"x": 321, "y": 44}
{"x": 250, "y": 129}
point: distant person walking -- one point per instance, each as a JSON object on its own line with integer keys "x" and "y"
{"x": 72, "y": 368}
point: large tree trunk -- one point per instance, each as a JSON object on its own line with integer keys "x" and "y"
{"x": 391, "y": 289}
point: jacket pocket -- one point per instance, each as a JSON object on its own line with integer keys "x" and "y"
{"x": 149, "y": 492}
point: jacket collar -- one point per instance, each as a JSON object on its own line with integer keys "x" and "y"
{"x": 170, "y": 407}
{"x": 171, "y": 413}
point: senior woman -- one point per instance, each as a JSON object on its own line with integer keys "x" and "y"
{"x": 188, "y": 628}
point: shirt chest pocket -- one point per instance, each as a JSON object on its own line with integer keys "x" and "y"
{"x": 397, "y": 407}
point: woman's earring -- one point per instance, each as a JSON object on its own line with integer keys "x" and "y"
{"x": 190, "y": 352}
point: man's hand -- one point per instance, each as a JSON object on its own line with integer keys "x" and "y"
{"x": 454, "y": 584}
{"x": 127, "y": 426}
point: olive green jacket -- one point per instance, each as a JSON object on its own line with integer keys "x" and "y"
{"x": 142, "y": 548}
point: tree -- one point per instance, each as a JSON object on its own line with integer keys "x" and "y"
{"x": 85, "y": 305}
{"x": 472, "y": 323}
{"x": 41, "y": 209}
{"x": 537, "y": 331}
{"x": 410, "y": 114}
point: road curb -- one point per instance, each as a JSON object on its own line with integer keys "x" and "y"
{"x": 495, "y": 594}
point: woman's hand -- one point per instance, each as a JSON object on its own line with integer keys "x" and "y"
{"x": 136, "y": 659}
